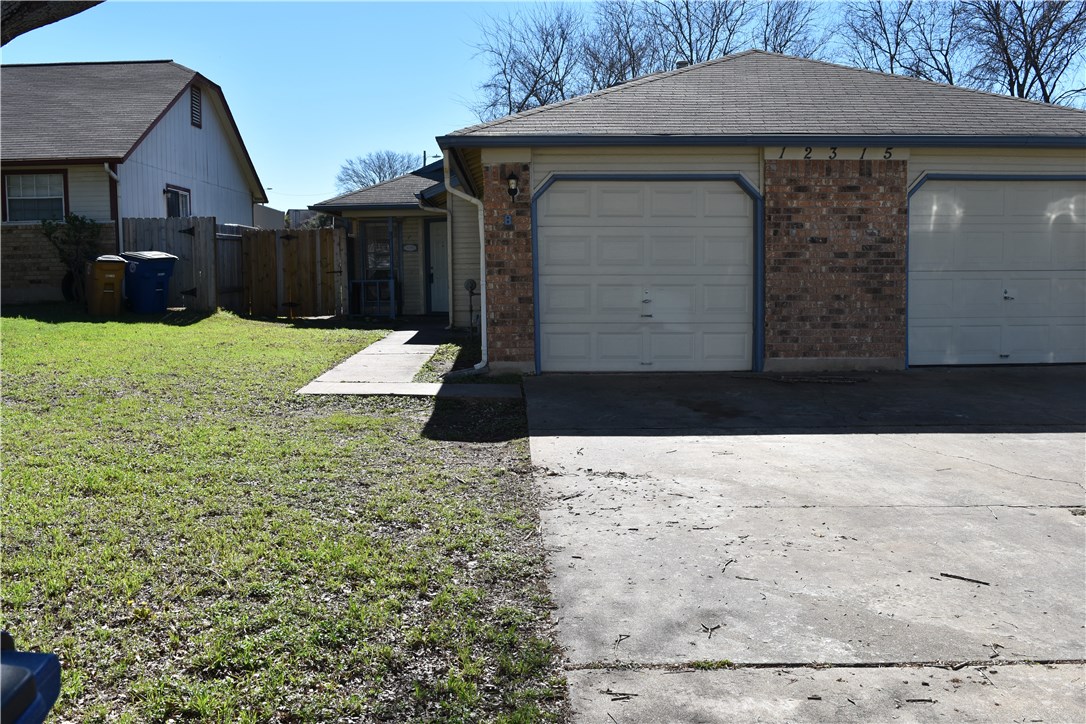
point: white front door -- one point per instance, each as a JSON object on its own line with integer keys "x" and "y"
{"x": 438, "y": 273}
{"x": 997, "y": 272}
{"x": 645, "y": 276}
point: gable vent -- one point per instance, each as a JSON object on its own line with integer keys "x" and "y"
{"x": 197, "y": 109}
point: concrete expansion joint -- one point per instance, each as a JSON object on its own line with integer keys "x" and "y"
{"x": 725, "y": 665}
{"x": 990, "y": 465}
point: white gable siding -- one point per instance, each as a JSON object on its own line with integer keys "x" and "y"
{"x": 199, "y": 159}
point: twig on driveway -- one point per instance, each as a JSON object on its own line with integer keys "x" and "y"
{"x": 618, "y": 695}
{"x": 963, "y": 578}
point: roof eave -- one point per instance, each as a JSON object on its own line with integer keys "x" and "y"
{"x": 91, "y": 161}
{"x": 910, "y": 140}
{"x": 364, "y": 207}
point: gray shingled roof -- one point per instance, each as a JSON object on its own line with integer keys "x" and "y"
{"x": 83, "y": 111}
{"x": 756, "y": 95}
{"x": 400, "y": 192}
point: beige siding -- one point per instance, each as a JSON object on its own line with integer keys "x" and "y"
{"x": 648, "y": 159}
{"x": 465, "y": 257}
{"x": 996, "y": 161}
{"x": 414, "y": 292}
{"x": 88, "y": 191}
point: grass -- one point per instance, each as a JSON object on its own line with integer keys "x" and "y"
{"x": 460, "y": 356}
{"x": 198, "y": 542}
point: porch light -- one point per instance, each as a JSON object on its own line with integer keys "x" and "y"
{"x": 513, "y": 182}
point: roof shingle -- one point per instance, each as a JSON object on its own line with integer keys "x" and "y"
{"x": 757, "y": 95}
{"x": 84, "y": 111}
{"x": 401, "y": 191}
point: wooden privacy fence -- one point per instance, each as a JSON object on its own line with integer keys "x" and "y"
{"x": 192, "y": 240}
{"x": 295, "y": 272}
{"x": 267, "y": 273}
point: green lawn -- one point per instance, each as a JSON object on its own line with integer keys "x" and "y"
{"x": 198, "y": 542}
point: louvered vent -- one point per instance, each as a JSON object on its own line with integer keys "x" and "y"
{"x": 196, "y": 102}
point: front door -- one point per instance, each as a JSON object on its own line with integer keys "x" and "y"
{"x": 438, "y": 257}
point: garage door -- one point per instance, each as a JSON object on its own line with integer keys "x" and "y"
{"x": 996, "y": 272}
{"x": 642, "y": 276}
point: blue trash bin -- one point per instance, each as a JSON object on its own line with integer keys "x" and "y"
{"x": 147, "y": 280}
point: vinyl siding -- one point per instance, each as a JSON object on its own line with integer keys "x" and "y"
{"x": 995, "y": 161}
{"x": 465, "y": 258}
{"x": 200, "y": 159}
{"x": 414, "y": 293}
{"x": 650, "y": 159}
{"x": 88, "y": 192}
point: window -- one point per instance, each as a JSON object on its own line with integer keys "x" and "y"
{"x": 34, "y": 196}
{"x": 178, "y": 202}
{"x": 196, "y": 107}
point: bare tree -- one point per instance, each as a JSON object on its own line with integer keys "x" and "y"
{"x": 699, "y": 30}
{"x": 17, "y": 17}
{"x": 1029, "y": 49}
{"x": 535, "y": 59}
{"x": 621, "y": 45}
{"x": 373, "y": 168}
{"x": 876, "y": 35}
{"x": 938, "y": 42}
{"x": 788, "y": 27}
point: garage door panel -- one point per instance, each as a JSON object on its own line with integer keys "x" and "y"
{"x": 618, "y": 300}
{"x": 729, "y": 205}
{"x": 1068, "y": 251}
{"x": 679, "y": 201}
{"x": 668, "y": 285}
{"x": 627, "y": 250}
{"x": 996, "y": 273}
{"x": 733, "y": 252}
{"x": 620, "y": 201}
{"x": 1068, "y": 342}
{"x": 674, "y": 250}
{"x": 568, "y": 201}
{"x": 566, "y": 250}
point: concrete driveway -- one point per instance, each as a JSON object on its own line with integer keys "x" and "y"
{"x": 875, "y": 547}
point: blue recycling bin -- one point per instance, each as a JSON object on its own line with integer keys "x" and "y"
{"x": 147, "y": 280}
{"x": 29, "y": 684}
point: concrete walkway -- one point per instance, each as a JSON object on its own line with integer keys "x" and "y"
{"x": 387, "y": 367}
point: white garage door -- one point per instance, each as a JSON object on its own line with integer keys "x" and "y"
{"x": 640, "y": 276}
{"x": 996, "y": 272}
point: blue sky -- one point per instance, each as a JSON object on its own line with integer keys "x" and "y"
{"x": 310, "y": 84}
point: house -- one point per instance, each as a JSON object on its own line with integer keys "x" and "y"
{"x": 762, "y": 212}
{"x": 111, "y": 141}
{"x": 399, "y": 258}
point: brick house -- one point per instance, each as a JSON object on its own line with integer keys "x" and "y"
{"x": 761, "y": 212}
{"x": 109, "y": 141}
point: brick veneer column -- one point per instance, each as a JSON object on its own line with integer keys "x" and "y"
{"x": 835, "y": 267}
{"x": 510, "y": 301}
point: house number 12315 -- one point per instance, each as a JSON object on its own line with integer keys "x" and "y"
{"x": 843, "y": 153}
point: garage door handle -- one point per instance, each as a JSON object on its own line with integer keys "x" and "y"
{"x": 1006, "y": 295}
{"x": 646, "y": 315}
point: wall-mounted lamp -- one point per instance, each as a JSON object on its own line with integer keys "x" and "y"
{"x": 513, "y": 183}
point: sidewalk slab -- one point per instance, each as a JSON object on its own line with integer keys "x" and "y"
{"x": 412, "y": 389}
{"x": 1024, "y": 693}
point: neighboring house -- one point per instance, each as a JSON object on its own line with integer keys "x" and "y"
{"x": 400, "y": 248}
{"x": 766, "y": 212}
{"x": 111, "y": 141}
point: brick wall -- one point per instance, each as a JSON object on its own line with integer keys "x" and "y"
{"x": 510, "y": 308}
{"x": 835, "y": 267}
{"x": 31, "y": 270}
